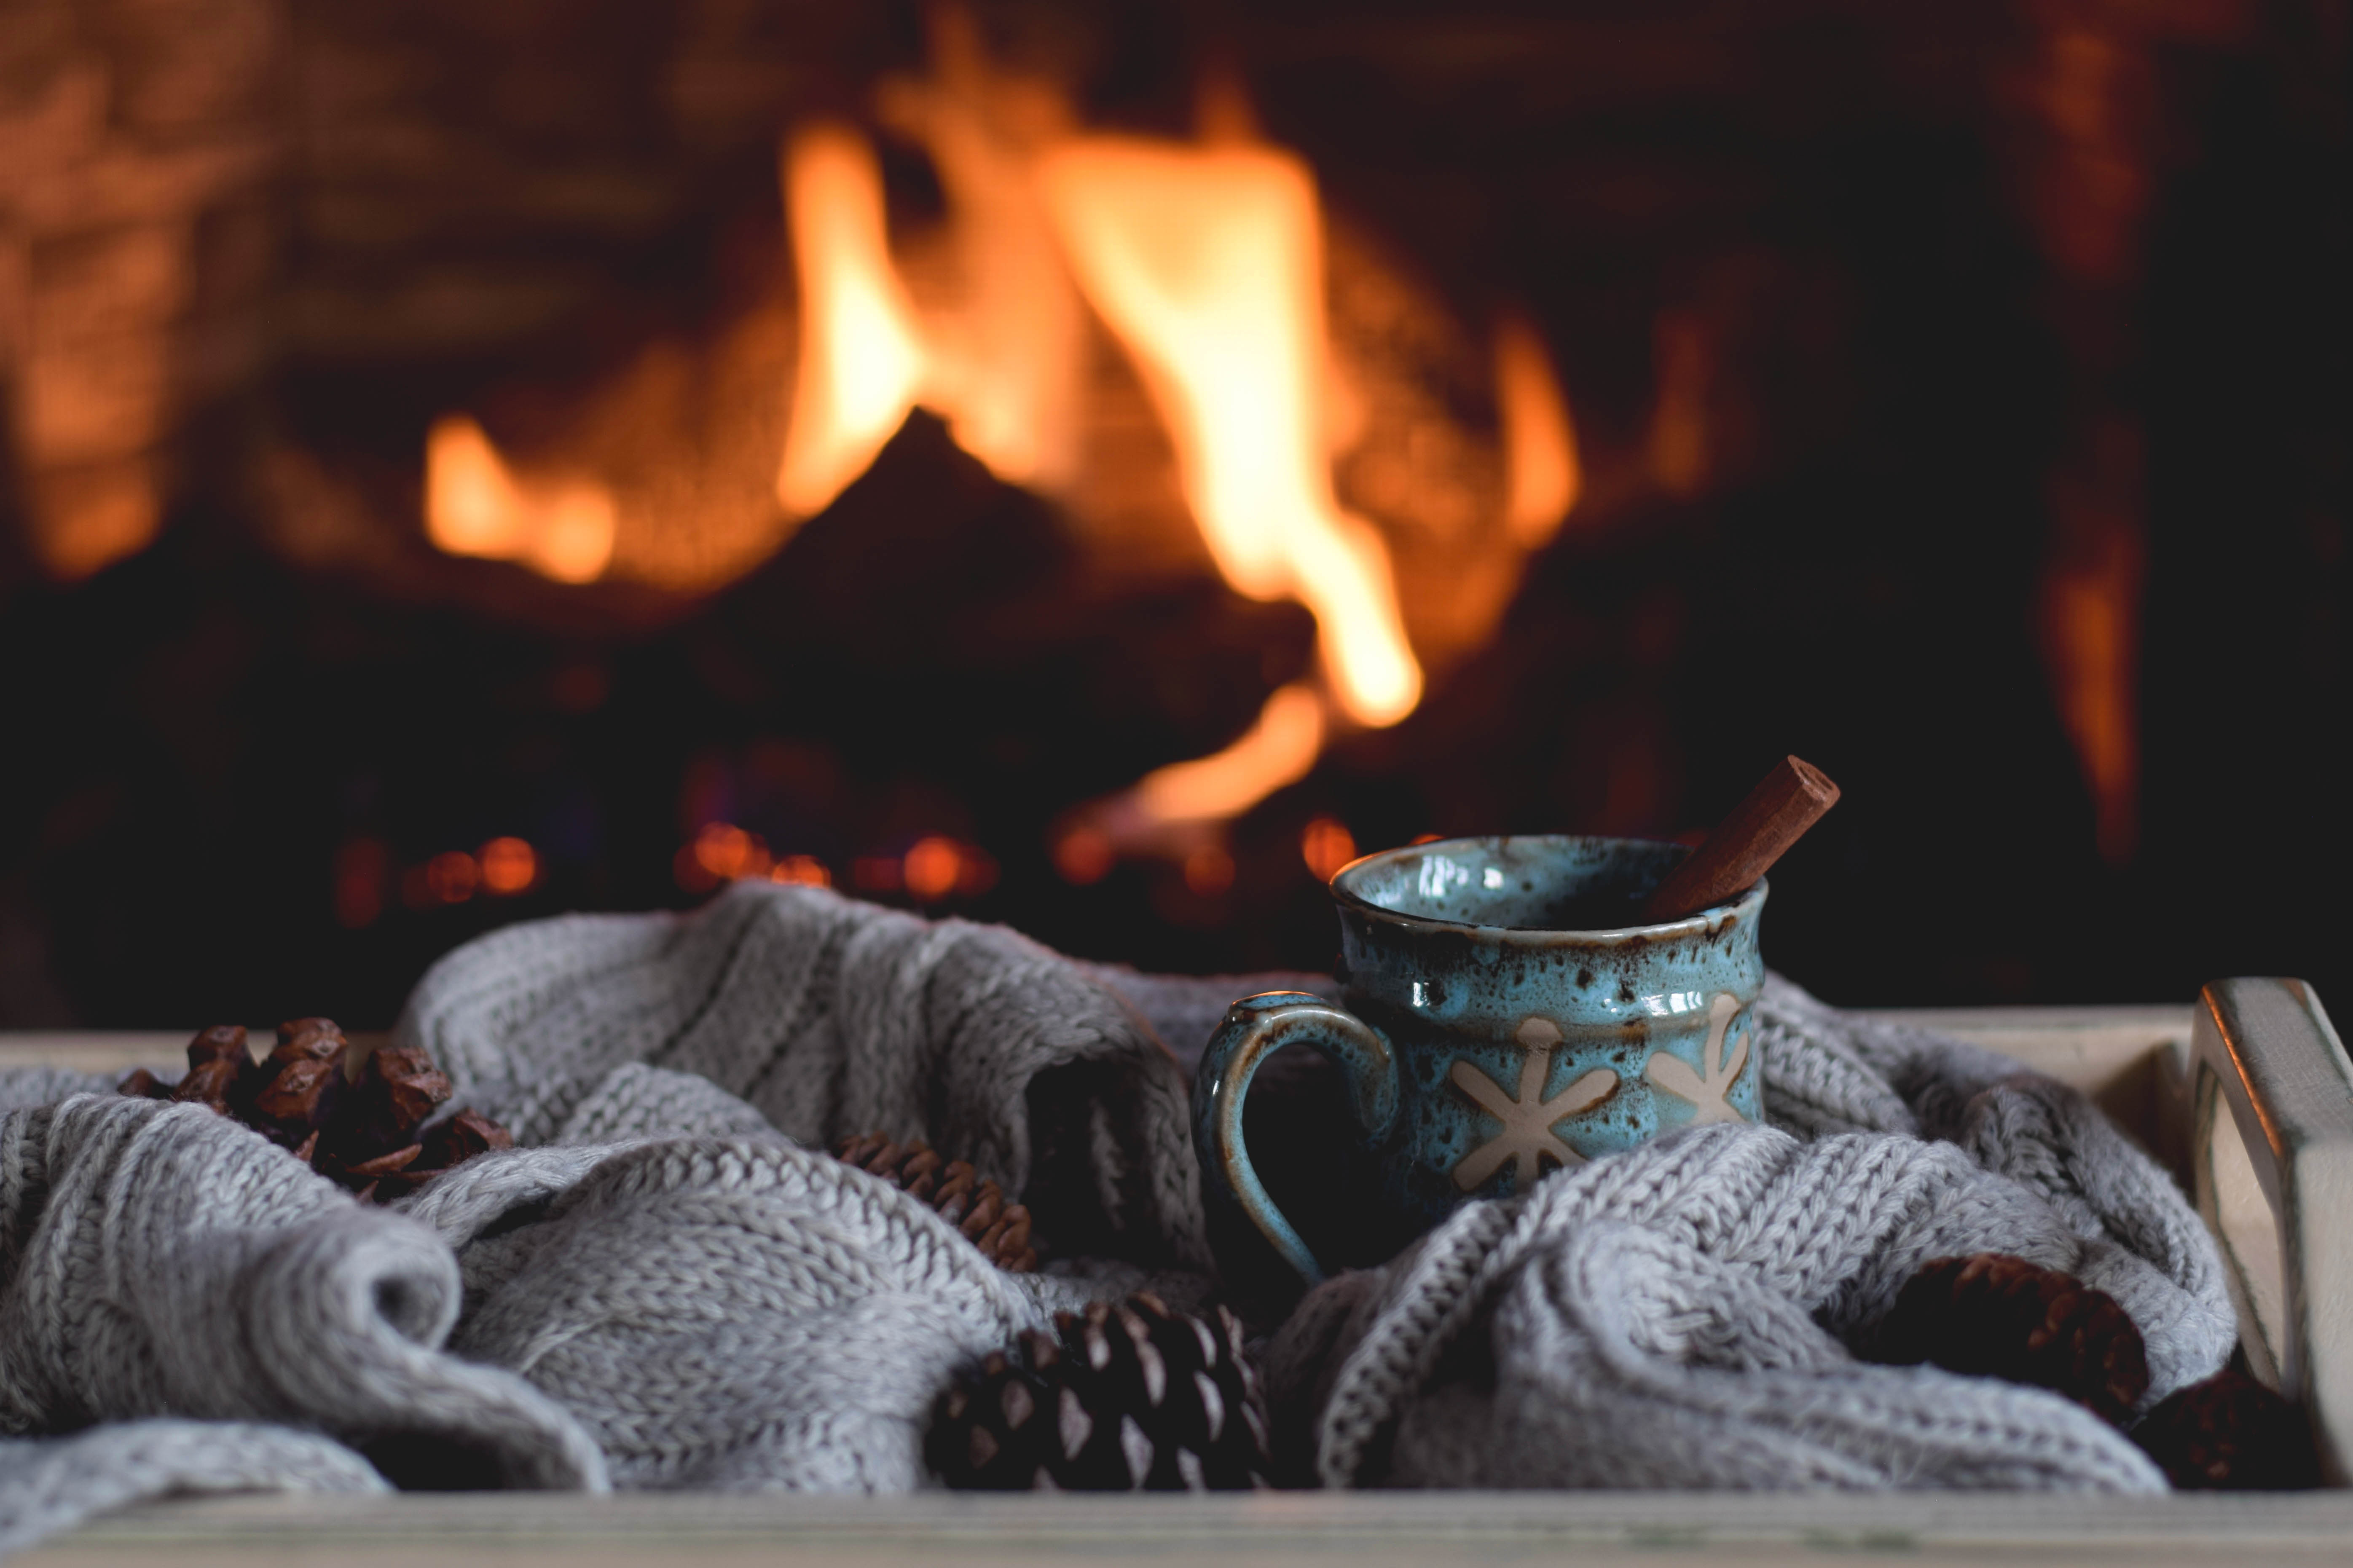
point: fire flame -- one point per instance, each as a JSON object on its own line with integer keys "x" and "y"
{"x": 1205, "y": 262}
{"x": 1539, "y": 442}
{"x": 1207, "y": 265}
{"x": 862, "y": 360}
{"x": 1006, "y": 333}
{"x": 1278, "y": 750}
{"x": 475, "y": 505}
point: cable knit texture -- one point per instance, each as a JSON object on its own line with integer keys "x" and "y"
{"x": 669, "y": 1285}
{"x": 50, "y": 1486}
{"x": 739, "y": 1314}
{"x": 832, "y": 1018}
{"x": 1674, "y": 1316}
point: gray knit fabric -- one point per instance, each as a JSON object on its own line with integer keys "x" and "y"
{"x": 832, "y": 1018}
{"x": 1674, "y": 1316}
{"x": 739, "y": 1315}
{"x": 45, "y": 1085}
{"x": 1827, "y": 1071}
{"x": 1670, "y": 1319}
{"x": 50, "y": 1486}
{"x": 159, "y": 1261}
{"x": 1184, "y": 1010}
{"x": 672, "y": 1286}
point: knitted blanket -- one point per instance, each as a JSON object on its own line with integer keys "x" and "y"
{"x": 670, "y": 1284}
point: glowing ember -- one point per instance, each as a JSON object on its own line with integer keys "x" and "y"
{"x": 861, "y": 360}
{"x": 802, "y": 871}
{"x": 1539, "y": 442}
{"x": 1084, "y": 855}
{"x": 727, "y": 852}
{"x": 722, "y": 852}
{"x": 878, "y": 873}
{"x": 510, "y": 866}
{"x": 1208, "y": 871}
{"x": 451, "y": 876}
{"x": 1207, "y": 265}
{"x": 1326, "y": 846}
{"x": 361, "y": 865}
{"x": 474, "y": 505}
{"x": 931, "y": 867}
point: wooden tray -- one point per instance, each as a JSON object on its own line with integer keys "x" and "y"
{"x": 2248, "y": 1095}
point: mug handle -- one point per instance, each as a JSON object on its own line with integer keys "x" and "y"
{"x": 1255, "y": 1028}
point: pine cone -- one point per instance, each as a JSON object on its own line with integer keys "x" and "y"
{"x": 1133, "y": 1397}
{"x": 359, "y": 1127}
{"x": 444, "y": 1148}
{"x": 397, "y": 1088}
{"x": 299, "y": 1084}
{"x": 1993, "y": 1315}
{"x": 220, "y": 1070}
{"x": 2231, "y": 1434}
{"x": 976, "y": 1207}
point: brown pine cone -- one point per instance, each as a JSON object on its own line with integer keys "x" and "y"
{"x": 1994, "y": 1316}
{"x": 299, "y": 1086}
{"x": 397, "y": 1088}
{"x": 2231, "y": 1434}
{"x": 976, "y": 1207}
{"x": 441, "y": 1149}
{"x": 359, "y": 1126}
{"x": 320, "y": 1039}
{"x": 1133, "y": 1397}
{"x": 221, "y": 1073}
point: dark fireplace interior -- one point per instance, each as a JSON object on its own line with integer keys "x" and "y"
{"x": 1956, "y": 396}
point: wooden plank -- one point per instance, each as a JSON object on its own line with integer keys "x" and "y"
{"x": 95, "y": 1050}
{"x": 2134, "y": 1061}
{"x": 2267, "y": 1050}
{"x": 2088, "y": 1046}
{"x": 1370, "y": 1529}
{"x": 118, "y": 1050}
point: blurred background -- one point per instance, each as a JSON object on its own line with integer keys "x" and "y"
{"x": 1099, "y": 466}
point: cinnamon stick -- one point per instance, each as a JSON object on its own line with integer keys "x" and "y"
{"x": 1774, "y": 815}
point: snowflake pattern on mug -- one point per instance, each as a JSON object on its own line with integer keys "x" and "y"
{"x": 1708, "y": 1091}
{"x": 1527, "y": 1117}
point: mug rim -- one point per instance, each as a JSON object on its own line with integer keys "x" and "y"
{"x": 1696, "y": 924}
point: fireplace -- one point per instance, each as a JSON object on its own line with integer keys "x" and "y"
{"x": 1099, "y": 468}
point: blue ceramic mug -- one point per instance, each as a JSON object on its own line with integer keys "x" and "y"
{"x": 1505, "y": 1015}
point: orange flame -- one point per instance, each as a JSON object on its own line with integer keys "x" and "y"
{"x": 474, "y": 505}
{"x": 1205, "y": 262}
{"x": 1207, "y": 265}
{"x": 1278, "y": 750}
{"x": 862, "y": 360}
{"x": 1006, "y": 333}
{"x": 1539, "y": 442}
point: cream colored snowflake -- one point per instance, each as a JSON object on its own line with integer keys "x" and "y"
{"x": 1528, "y": 1119}
{"x": 1708, "y": 1093}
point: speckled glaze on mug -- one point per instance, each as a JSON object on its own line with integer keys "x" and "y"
{"x": 1482, "y": 1044}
